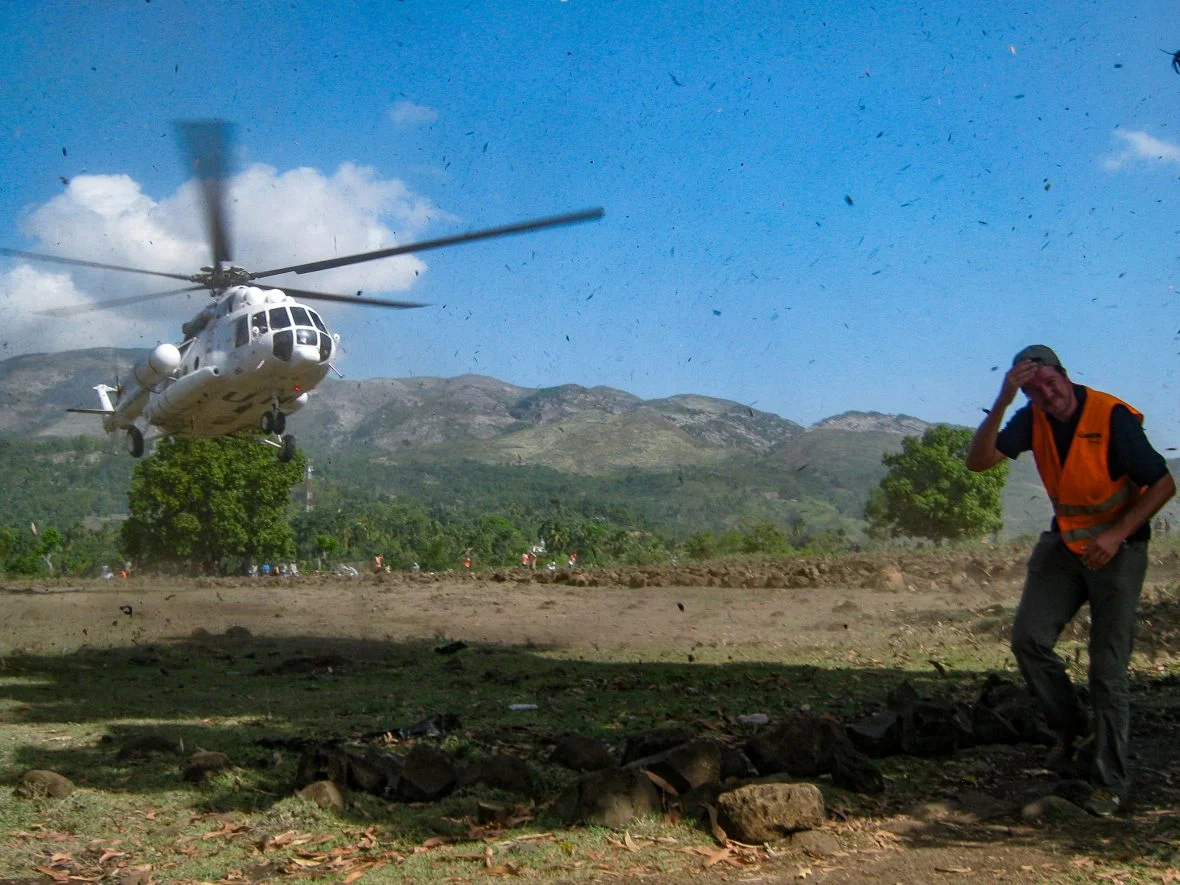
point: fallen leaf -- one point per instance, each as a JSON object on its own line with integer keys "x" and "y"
{"x": 715, "y": 857}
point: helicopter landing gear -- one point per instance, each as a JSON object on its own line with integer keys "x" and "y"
{"x": 274, "y": 422}
{"x": 135, "y": 442}
{"x": 287, "y": 449}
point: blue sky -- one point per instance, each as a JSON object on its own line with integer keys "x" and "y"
{"x": 810, "y": 208}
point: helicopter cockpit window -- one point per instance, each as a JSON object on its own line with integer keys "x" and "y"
{"x": 300, "y": 316}
{"x": 305, "y": 336}
{"x": 242, "y": 332}
{"x": 319, "y": 324}
{"x": 279, "y": 318}
{"x": 259, "y": 321}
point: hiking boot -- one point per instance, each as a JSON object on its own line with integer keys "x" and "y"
{"x": 1103, "y": 802}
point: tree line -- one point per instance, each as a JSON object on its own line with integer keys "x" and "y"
{"x": 221, "y": 505}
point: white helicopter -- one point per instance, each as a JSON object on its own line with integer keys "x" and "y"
{"x": 250, "y": 357}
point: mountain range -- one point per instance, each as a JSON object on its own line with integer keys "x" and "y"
{"x": 755, "y": 461}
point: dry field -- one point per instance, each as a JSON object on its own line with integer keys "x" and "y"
{"x": 716, "y": 641}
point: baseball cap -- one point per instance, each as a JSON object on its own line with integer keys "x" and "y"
{"x": 1038, "y": 353}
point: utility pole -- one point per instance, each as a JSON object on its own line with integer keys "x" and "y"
{"x": 307, "y": 475}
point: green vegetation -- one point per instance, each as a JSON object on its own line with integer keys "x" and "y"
{"x": 210, "y": 504}
{"x": 929, "y": 493}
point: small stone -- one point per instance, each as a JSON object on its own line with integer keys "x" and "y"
{"x": 1052, "y": 808}
{"x": 817, "y": 843}
{"x": 204, "y": 762}
{"x": 40, "y": 784}
{"x": 324, "y": 794}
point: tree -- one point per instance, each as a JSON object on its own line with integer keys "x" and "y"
{"x": 929, "y": 492}
{"x": 210, "y": 503}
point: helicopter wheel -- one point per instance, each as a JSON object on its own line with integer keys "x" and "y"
{"x": 134, "y": 442}
{"x": 268, "y": 422}
{"x": 280, "y": 423}
{"x": 287, "y": 452}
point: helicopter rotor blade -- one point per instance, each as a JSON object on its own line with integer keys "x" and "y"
{"x": 506, "y": 230}
{"x": 206, "y": 147}
{"x": 352, "y": 299}
{"x": 73, "y": 309}
{"x": 58, "y": 259}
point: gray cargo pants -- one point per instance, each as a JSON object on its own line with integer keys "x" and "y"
{"x": 1056, "y": 587}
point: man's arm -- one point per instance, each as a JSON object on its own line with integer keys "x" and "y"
{"x": 983, "y": 454}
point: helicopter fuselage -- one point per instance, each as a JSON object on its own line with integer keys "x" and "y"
{"x": 252, "y": 352}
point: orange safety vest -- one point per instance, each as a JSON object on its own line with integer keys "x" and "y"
{"x": 1085, "y": 499}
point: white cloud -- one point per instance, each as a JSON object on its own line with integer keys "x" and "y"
{"x": 1138, "y": 146}
{"x": 275, "y": 219}
{"x": 406, "y": 113}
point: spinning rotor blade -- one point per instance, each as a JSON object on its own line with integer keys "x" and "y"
{"x": 37, "y": 256}
{"x": 74, "y": 309}
{"x": 206, "y": 147}
{"x": 522, "y": 227}
{"x": 352, "y": 299}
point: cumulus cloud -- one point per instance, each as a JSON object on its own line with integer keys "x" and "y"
{"x": 1140, "y": 147}
{"x": 406, "y": 113}
{"x": 275, "y": 219}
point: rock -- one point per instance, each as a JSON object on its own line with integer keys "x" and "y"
{"x": 817, "y": 843}
{"x": 202, "y": 763}
{"x": 689, "y": 765}
{"x": 428, "y": 775}
{"x": 890, "y": 579}
{"x": 653, "y": 741}
{"x": 137, "y": 876}
{"x": 580, "y": 753}
{"x": 879, "y": 735}
{"x": 502, "y": 772}
{"x": 1074, "y": 790}
{"x": 369, "y": 769}
{"x": 1007, "y": 713}
{"x": 853, "y": 770}
{"x": 612, "y": 798}
{"x": 1052, "y": 808}
{"x": 760, "y": 812}
{"x": 41, "y": 784}
{"x": 805, "y": 745}
{"x": 799, "y": 745}
{"x": 238, "y": 632}
{"x": 735, "y": 763}
{"x": 324, "y": 794}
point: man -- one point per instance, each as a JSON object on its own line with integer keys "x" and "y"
{"x": 1105, "y": 482}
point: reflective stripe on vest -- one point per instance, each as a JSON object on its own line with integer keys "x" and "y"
{"x": 1086, "y": 501}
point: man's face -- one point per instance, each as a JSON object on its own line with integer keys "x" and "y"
{"x": 1051, "y": 391}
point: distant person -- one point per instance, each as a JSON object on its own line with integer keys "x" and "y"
{"x": 572, "y": 560}
{"x": 266, "y": 570}
{"x": 524, "y": 559}
{"x": 1105, "y": 481}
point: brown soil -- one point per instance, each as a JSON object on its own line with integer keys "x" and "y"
{"x": 897, "y": 609}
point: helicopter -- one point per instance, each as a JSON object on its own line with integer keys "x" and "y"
{"x": 251, "y": 356}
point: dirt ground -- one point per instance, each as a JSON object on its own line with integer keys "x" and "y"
{"x": 897, "y": 610}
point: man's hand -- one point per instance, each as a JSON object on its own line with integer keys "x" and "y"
{"x": 1014, "y": 379}
{"x": 1102, "y": 549}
